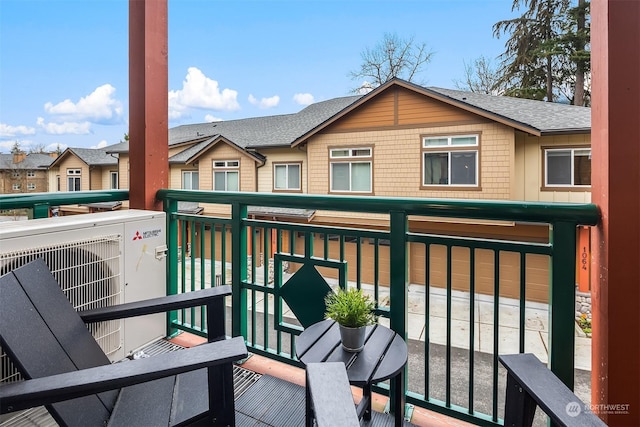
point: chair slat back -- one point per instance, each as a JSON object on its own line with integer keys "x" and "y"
{"x": 43, "y": 335}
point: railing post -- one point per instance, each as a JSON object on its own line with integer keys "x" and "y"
{"x": 170, "y": 208}
{"x": 398, "y": 283}
{"x": 562, "y": 300}
{"x": 41, "y": 210}
{"x": 238, "y": 269}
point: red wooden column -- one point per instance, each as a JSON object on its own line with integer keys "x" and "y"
{"x": 615, "y": 140}
{"x": 148, "y": 103}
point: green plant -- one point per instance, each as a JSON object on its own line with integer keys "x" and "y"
{"x": 350, "y": 308}
{"x": 585, "y": 324}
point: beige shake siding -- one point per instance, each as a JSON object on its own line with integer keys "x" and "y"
{"x": 280, "y": 155}
{"x": 529, "y": 160}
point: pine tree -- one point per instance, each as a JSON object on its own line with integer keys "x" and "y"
{"x": 532, "y": 50}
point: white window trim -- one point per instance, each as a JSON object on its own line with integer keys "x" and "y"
{"x": 74, "y": 174}
{"x": 31, "y": 186}
{"x": 572, "y": 172}
{"x": 226, "y": 167}
{"x": 286, "y": 166}
{"x": 351, "y": 158}
{"x": 113, "y": 174}
{"x": 190, "y": 174}
{"x": 448, "y": 149}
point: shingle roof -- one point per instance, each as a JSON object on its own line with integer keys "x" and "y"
{"x": 95, "y": 157}
{"x": 31, "y": 161}
{"x": 260, "y": 132}
{"x": 546, "y": 117}
{"x": 253, "y": 133}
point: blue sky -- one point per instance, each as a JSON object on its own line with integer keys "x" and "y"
{"x": 64, "y": 63}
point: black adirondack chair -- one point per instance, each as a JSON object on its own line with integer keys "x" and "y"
{"x": 66, "y": 370}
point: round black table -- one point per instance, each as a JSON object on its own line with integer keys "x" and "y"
{"x": 383, "y": 357}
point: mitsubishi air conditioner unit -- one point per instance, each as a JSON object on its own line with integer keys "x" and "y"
{"x": 99, "y": 260}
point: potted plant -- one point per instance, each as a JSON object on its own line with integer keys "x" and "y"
{"x": 353, "y": 311}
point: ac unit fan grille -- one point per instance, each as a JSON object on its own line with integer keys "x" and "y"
{"x": 88, "y": 272}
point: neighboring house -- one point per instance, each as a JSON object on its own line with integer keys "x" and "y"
{"x": 84, "y": 169}
{"x": 401, "y": 140}
{"x": 24, "y": 173}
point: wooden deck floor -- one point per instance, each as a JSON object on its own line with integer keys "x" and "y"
{"x": 271, "y": 401}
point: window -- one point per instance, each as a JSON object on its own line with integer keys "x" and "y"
{"x": 226, "y": 175}
{"x": 15, "y": 187}
{"x": 350, "y": 170}
{"x": 286, "y": 177}
{"x": 73, "y": 179}
{"x": 567, "y": 167}
{"x": 31, "y": 186}
{"x": 113, "y": 180}
{"x": 15, "y": 174}
{"x": 190, "y": 180}
{"x": 450, "y": 160}
{"x": 31, "y": 174}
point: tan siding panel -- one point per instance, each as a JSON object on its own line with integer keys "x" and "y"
{"x": 377, "y": 112}
{"x": 414, "y": 108}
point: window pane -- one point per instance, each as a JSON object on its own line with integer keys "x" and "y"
{"x": 232, "y": 181}
{"x": 219, "y": 181}
{"x": 559, "y": 167}
{"x": 362, "y": 152}
{"x": 339, "y": 176}
{"x": 339, "y": 153}
{"x": 294, "y": 177}
{"x": 464, "y": 140}
{"x": 582, "y": 167}
{"x": 436, "y": 168}
{"x": 361, "y": 176}
{"x": 281, "y": 177}
{"x": 463, "y": 167}
{"x": 428, "y": 142}
{"x": 219, "y": 164}
{"x": 233, "y": 163}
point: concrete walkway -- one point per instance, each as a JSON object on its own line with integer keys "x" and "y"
{"x": 536, "y": 320}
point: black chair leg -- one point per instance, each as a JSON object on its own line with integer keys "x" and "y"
{"x": 221, "y": 398}
{"x": 520, "y": 408}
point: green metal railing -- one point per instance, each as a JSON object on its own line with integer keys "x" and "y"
{"x": 40, "y": 203}
{"x": 262, "y": 258}
{"x": 228, "y": 246}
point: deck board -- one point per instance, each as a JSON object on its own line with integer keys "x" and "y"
{"x": 278, "y": 403}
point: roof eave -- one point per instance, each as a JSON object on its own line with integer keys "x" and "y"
{"x": 551, "y": 132}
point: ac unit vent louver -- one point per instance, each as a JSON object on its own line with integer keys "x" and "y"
{"x": 88, "y": 272}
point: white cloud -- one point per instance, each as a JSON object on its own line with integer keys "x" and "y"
{"x": 64, "y": 128}
{"x": 199, "y": 91}
{"x": 303, "y": 98}
{"x": 9, "y": 131}
{"x": 265, "y": 102}
{"x": 209, "y": 118}
{"x": 97, "y": 107}
{"x": 101, "y": 144}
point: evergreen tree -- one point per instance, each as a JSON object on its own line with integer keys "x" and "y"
{"x": 533, "y": 50}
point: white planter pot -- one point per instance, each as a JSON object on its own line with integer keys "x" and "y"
{"x": 352, "y": 338}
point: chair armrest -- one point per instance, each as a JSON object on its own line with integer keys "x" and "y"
{"x": 328, "y": 396}
{"x": 156, "y": 305}
{"x": 531, "y": 383}
{"x": 56, "y": 388}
